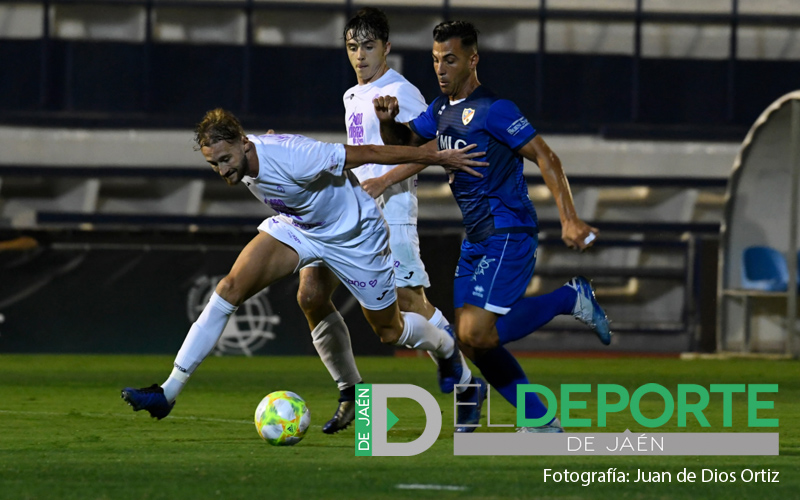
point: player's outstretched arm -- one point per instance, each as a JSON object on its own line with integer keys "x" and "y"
{"x": 575, "y": 233}
{"x": 392, "y": 132}
{"x": 460, "y": 159}
{"x": 377, "y": 185}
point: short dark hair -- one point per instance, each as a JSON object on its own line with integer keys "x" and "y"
{"x": 217, "y": 125}
{"x": 369, "y": 23}
{"x": 464, "y": 30}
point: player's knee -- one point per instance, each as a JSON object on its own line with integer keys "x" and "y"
{"x": 405, "y": 303}
{"x": 476, "y": 339}
{"x": 229, "y": 289}
{"x": 413, "y": 299}
{"x": 310, "y": 300}
{"x": 388, "y": 335}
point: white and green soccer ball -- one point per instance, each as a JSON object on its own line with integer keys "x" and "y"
{"x": 282, "y": 418}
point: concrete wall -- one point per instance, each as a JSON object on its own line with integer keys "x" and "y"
{"x": 584, "y": 155}
{"x": 412, "y": 30}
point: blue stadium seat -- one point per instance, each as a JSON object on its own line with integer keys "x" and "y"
{"x": 764, "y": 268}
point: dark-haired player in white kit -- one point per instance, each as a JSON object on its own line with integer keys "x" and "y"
{"x": 323, "y": 214}
{"x": 366, "y": 37}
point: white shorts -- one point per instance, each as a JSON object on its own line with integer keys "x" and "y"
{"x": 365, "y": 269}
{"x": 408, "y": 267}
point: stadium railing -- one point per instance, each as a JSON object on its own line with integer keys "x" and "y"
{"x": 722, "y": 31}
{"x": 645, "y": 268}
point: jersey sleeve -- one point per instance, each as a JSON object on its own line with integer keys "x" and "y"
{"x": 507, "y": 124}
{"x": 412, "y": 104}
{"x": 309, "y": 158}
{"x": 424, "y": 125}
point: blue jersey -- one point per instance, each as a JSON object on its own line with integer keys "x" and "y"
{"x": 498, "y": 202}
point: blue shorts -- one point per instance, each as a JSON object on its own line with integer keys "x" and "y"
{"x": 494, "y": 273}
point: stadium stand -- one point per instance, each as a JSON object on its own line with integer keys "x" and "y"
{"x": 648, "y": 145}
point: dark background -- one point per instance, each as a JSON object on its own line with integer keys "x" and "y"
{"x": 121, "y": 84}
{"x": 62, "y": 300}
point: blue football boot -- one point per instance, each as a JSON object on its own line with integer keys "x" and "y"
{"x": 149, "y": 398}
{"x": 588, "y": 311}
{"x": 470, "y": 413}
{"x": 344, "y": 416}
{"x": 553, "y": 427}
{"x": 450, "y": 369}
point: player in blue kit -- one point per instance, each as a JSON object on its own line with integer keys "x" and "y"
{"x": 499, "y": 254}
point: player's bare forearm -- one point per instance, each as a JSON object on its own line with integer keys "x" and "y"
{"x": 403, "y": 172}
{"x": 575, "y": 233}
{"x": 557, "y": 183}
{"x": 391, "y": 155}
{"x": 387, "y": 155}
{"x": 377, "y": 185}
{"x": 553, "y": 175}
{"x": 406, "y": 170}
{"x": 397, "y": 134}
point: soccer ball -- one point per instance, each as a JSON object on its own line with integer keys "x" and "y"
{"x": 282, "y": 418}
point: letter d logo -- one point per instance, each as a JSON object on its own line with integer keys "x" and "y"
{"x": 379, "y": 411}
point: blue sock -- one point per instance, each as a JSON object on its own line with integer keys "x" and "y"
{"x": 531, "y": 313}
{"x": 503, "y": 372}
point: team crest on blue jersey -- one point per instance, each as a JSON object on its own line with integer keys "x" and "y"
{"x": 466, "y": 115}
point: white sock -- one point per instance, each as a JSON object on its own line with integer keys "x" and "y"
{"x": 332, "y": 341}
{"x": 199, "y": 342}
{"x": 174, "y": 384}
{"x": 466, "y": 375}
{"x": 439, "y": 321}
{"x": 418, "y": 333}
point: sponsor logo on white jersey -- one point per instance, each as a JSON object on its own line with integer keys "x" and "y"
{"x": 355, "y": 128}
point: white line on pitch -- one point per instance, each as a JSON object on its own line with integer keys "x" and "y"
{"x": 117, "y": 415}
{"x": 444, "y": 487}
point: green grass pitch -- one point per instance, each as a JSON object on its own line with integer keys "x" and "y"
{"x": 65, "y": 433}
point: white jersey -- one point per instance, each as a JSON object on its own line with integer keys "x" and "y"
{"x": 305, "y": 182}
{"x": 363, "y": 127}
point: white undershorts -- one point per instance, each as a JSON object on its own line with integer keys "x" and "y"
{"x": 365, "y": 269}
{"x": 409, "y": 269}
